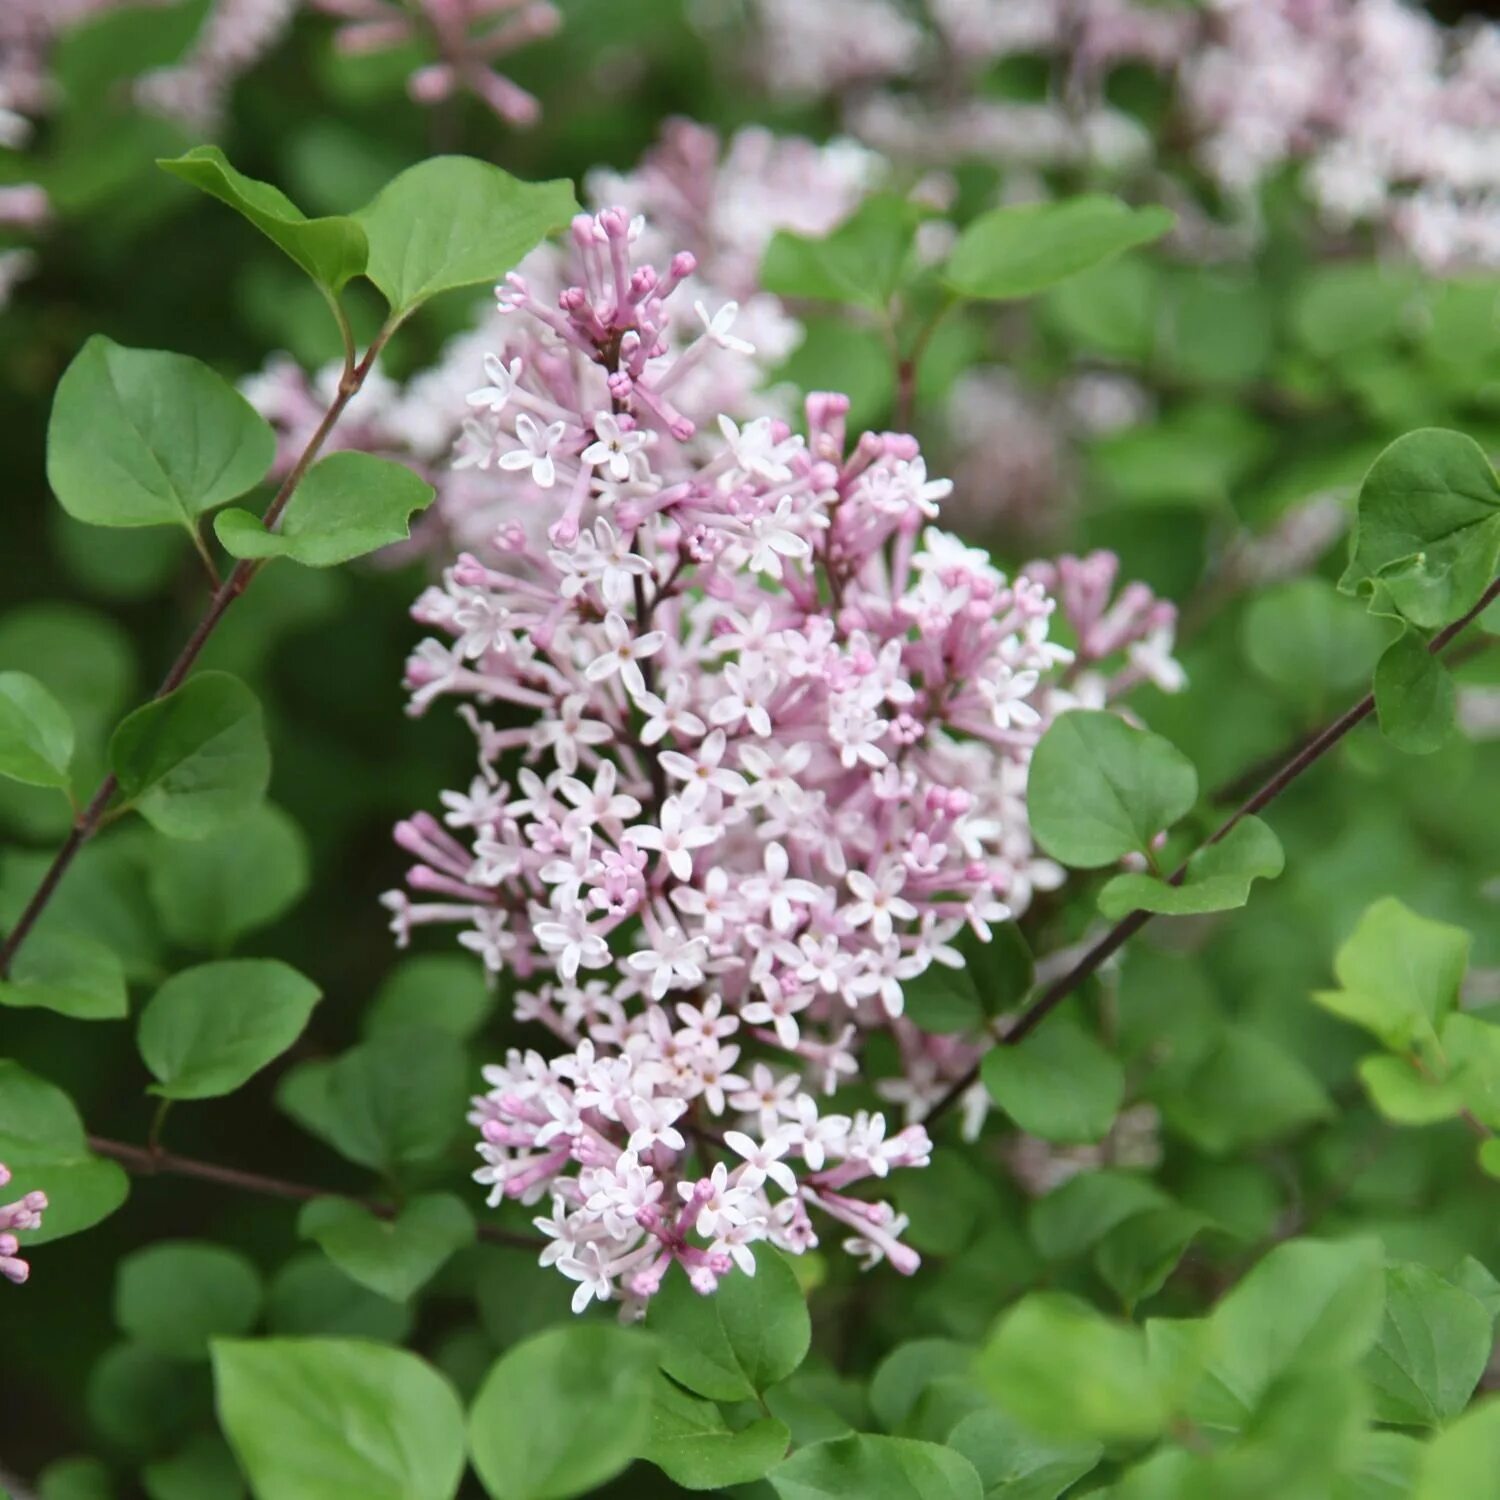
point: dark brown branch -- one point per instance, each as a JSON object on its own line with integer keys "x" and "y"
{"x": 144, "y": 1162}
{"x": 87, "y": 823}
{"x": 1127, "y": 927}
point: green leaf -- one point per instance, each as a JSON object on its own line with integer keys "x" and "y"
{"x": 204, "y": 1469}
{"x": 1136, "y": 1257}
{"x": 731, "y": 1345}
{"x": 1016, "y": 252}
{"x": 1310, "y": 1304}
{"x": 1489, "y": 1156}
{"x": 143, "y": 1402}
{"x": 1414, "y": 697}
{"x": 1014, "y": 1464}
{"x": 1219, "y": 877}
{"x": 1307, "y": 640}
{"x": 141, "y": 437}
{"x": 210, "y": 892}
{"x": 876, "y": 1468}
{"x": 1464, "y": 1460}
{"x": 1427, "y": 540}
{"x": 208, "y": 1030}
{"x": 908, "y": 1370}
{"x": 396, "y": 1256}
{"x": 1076, "y": 1216}
{"x": 862, "y": 263}
{"x": 330, "y": 250}
{"x": 68, "y": 973}
{"x": 36, "y": 734}
{"x": 1002, "y": 970}
{"x": 453, "y": 221}
{"x": 1406, "y": 1096}
{"x": 1383, "y": 1466}
{"x": 173, "y": 1297}
{"x": 1099, "y": 789}
{"x": 1400, "y": 974}
{"x": 1064, "y": 1371}
{"x": 695, "y": 1447}
{"x": 443, "y": 990}
{"x": 941, "y": 1000}
{"x": 1247, "y": 1089}
{"x": 1059, "y": 1083}
{"x": 311, "y": 1296}
{"x": 42, "y": 1141}
{"x": 563, "y": 1412}
{"x": 75, "y": 1479}
{"x": 1350, "y": 306}
{"x": 347, "y": 505}
{"x": 196, "y": 760}
{"x": 327, "y": 1419}
{"x": 395, "y": 1099}
{"x": 1433, "y": 1347}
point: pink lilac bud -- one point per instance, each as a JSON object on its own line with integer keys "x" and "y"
{"x": 24, "y": 1213}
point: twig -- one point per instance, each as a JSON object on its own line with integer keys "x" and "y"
{"x": 144, "y": 1162}
{"x": 1127, "y": 927}
{"x": 87, "y": 823}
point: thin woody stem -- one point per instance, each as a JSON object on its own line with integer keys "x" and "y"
{"x": 144, "y": 1162}
{"x": 88, "y": 821}
{"x": 1127, "y": 927}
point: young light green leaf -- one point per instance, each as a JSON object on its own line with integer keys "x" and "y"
{"x": 1407, "y": 1096}
{"x": 327, "y": 1419}
{"x": 42, "y": 1141}
{"x": 1065, "y": 1371}
{"x": 1400, "y": 973}
{"x": 695, "y": 1447}
{"x": 347, "y": 505}
{"x": 67, "y": 973}
{"x": 1015, "y": 1464}
{"x": 862, "y": 263}
{"x": 210, "y": 892}
{"x": 1062, "y": 1085}
{"x": 1310, "y": 1304}
{"x": 1218, "y": 877}
{"x": 196, "y": 760}
{"x": 1016, "y": 252}
{"x": 1433, "y": 1347}
{"x": 141, "y": 437}
{"x": 36, "y": 734}
{"x": 526, "y": 1421}
{"x": 1382, "y": 1466}
{"x": 876, "y": 1468}
{"x": 395, "y": 1099}
{"x": 1489, "y": 1156}
{"x": 1427, "y": 539}
{"x": 1099, "y": 789}
{"x": 1414, "y": 697}
{"x": 453, "y": 221}
{"x": 752, "y": 1332}
{"x": 330, "y": 250}
{"x": 394, "y": 1257}
{"x": 1465, "y": 1459}
{"x": 208, "y": 1030}
{"x": 174, "y": 1296}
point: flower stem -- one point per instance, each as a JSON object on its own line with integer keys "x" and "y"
{"x": 1127, "y": 927}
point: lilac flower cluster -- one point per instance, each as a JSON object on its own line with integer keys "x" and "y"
{"x": 24, "y": 1213}
{"x": 469, "y": 36}
{"x": 775, "y": 726}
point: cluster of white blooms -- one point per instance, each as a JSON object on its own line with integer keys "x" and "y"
{"x": 753, "y": 755}
{"x": 722, "y": 203}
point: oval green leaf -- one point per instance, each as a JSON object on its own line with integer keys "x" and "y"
{"x": 36, "y": 734}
